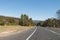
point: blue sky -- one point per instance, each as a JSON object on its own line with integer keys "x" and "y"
{"x": 36, "y": 9}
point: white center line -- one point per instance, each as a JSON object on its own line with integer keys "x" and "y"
{"x": 31, "y": 34}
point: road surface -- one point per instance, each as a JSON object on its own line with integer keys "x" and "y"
{"x": 37, "y": 33}
{"x": 45, "y": 34}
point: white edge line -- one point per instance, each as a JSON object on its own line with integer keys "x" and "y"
{"x": 53, "y": 32}
{"x": 32, "y": 34}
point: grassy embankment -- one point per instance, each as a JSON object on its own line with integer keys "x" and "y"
{"x": 13, "y": 28}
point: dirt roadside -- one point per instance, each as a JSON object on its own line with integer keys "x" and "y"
{"x": 11, "y": 31}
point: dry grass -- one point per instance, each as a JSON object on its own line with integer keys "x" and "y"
{"x": 13, "y": 28}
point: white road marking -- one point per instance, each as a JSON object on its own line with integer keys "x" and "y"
{"x": 31, "y": 34}
{"x": 53, "y": 31}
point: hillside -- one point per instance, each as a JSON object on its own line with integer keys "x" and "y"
{"x": 8, "y": 20}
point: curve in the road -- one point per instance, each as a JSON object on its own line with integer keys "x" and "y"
{"x": 32, "y": 34}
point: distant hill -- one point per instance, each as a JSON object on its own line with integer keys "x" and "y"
{"x": 8, "y": 20}
{"x": 36, "y": 21}
{"x": 7, "y": 17}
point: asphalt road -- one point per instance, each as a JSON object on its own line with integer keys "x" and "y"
{"x": 38, "y": 33}
{"x": 45, "y": 34}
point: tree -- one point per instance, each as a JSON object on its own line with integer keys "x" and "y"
{"x": 51, "y": 22}
{"x": 58, "y": 14}
{"x": 31, "y": 22}
{"x": 25, "y": 20}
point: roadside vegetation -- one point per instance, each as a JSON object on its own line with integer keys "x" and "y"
{"x": 15, "y": 24}
{"x": 24, "y": 20}
{"x": 51, "y": 22}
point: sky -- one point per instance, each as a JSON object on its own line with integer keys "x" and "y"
{"x": 36, "y": 9}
